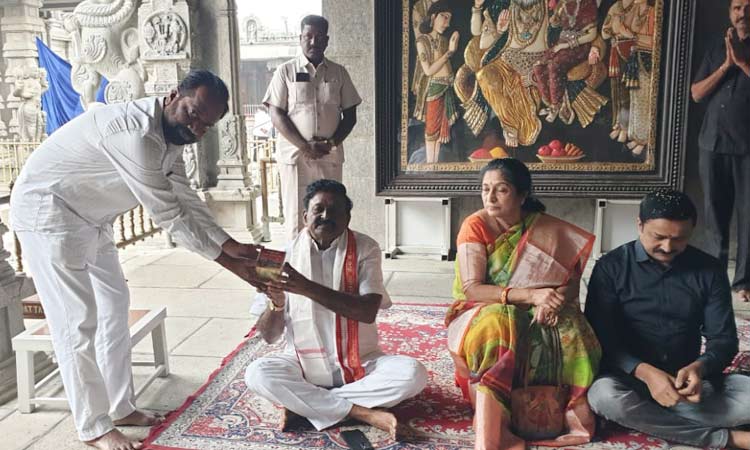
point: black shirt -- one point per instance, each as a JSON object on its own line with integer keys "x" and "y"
{"x": 725, "y": 126}
{"x": 643, "y": 311}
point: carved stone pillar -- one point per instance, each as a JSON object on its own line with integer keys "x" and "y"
{"x": 20, "y": 24}
{"x": 3, "y": 127}
{"x": 164, "y": 30}
{"x": 58, "y": 40}
{"x": 166, "y": 51}
{"x": 233, "y": 198}
{"x": 4, "y": 115}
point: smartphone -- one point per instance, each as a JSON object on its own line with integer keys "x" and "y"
{"x": 356, "y": 440}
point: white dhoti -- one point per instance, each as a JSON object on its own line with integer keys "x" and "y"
{"x": 389, "y": 380}
{"x": 294, "y": 181}
{"x": 85, "y": 299}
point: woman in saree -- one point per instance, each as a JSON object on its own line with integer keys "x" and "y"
{"x": 516, "y": 265}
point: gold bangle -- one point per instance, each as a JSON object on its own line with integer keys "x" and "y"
{"x": 504, "y": 296}
{"x": 273, "y": 307}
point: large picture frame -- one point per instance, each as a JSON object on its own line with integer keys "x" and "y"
{"x": 597, "y": 154}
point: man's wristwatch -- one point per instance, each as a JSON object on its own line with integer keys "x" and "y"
{"x": 272, "y": 306}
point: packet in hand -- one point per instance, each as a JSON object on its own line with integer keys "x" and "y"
{"x": 269, "y": 264}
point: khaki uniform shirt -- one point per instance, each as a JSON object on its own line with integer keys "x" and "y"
{"x": 313, "y": 98}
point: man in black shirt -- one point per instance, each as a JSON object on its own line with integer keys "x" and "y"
{"x": 723, "y": 80}
{"x": 650, "y": 301}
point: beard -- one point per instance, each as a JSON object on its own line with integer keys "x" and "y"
{"x": 526, "y": 4}
{"x": 179, "y": 134}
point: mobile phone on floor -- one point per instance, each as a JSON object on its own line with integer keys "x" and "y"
{"x": 356, "y": 440}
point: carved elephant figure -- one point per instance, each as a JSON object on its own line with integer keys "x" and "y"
{"x": 105, "y": 43}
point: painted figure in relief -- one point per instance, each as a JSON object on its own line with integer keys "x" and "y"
{"x": 638, "y": 75}
{"x": 436, "y": 103}
{"x": 573, "y": 59}
{"x": 418, "y": 13}
{"x": 510, "y": 36}
{"x": 630, "y": 25}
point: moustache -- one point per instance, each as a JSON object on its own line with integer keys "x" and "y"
{"x": 658, "y": 250}
{"x": 323, "y": 222}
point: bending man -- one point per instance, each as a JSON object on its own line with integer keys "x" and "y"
{"x": 72, "y": 188}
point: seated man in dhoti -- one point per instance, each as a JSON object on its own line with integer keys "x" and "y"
{"x": 325, "y": 302}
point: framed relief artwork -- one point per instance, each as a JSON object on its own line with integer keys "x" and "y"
{"x": 591, "y": 94}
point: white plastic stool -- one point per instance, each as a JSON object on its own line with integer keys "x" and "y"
{"x": 37, "y": 338}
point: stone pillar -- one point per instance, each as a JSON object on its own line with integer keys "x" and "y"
{"x": 19, "y": 25}
{"x": 233, "y": 200}
{"x": 352, "y": 31}
{"x": 4, "y": 115}
{"x": 164, "y": 30}
{"x": 58, "y": 40}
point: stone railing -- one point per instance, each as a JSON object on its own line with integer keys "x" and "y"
{"x": 133, "y": 226}
{"x": 250, "y": 109}
{"x": 13, "y": 154}
{"x": 129, "y": 228}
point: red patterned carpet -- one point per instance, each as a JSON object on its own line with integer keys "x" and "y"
{"x": 224, "y": 415}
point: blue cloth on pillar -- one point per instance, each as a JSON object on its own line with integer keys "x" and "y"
{"x": 61, "y": 102}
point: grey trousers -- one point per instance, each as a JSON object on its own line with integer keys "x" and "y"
{"x": 725, "y": 404}
{"x": 726, "y": 183}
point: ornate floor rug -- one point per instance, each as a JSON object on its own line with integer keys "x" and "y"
{"x": 223, "y": 415}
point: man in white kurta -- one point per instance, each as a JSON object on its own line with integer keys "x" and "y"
{"x": 72, "y": 188}
{"x": 312, "y": 102}
{"x": 325, "y": 305}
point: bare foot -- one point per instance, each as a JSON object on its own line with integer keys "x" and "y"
{"x": 114, "y": 440}
{"x": 739, "y": 439}
{"x": 615, "y": 132}
{"x": 291, "y": 420}
{"x": 511, "y": 138}
{"x": 553, "y": 112}
{"x": 744, "y": 295}
{"x": 384, "y": 420}
{"x": 140, "y": 418}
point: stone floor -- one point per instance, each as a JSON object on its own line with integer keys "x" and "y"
{"x": 207, "y": 318}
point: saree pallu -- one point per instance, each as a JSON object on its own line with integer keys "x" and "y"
{"x": 483, "y": 338}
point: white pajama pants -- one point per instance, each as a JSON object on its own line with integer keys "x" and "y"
{"x": 294, "y": 181}
{"x": 85, "y": 298}
{"x": 389, "y": 380}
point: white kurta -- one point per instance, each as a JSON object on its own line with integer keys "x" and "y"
{"x": 67, "y": 196}
{"x": 314, "y": 107}
{"x": 388, "y": 379}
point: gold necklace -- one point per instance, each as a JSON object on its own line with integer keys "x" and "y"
{"x": 527, "y": 24}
